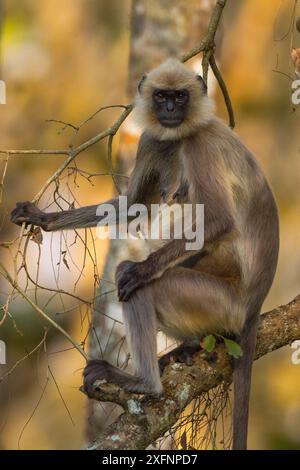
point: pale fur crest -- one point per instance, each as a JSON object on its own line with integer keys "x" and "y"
{"x": 172, "y": 74}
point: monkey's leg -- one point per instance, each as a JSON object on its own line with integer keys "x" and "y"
{"x": 192, "y": 303}
{"x": 187, "y": 303}
{"x": 183, "y": 353}
{"x": 140, "y": 322}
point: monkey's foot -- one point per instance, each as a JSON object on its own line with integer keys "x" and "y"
{"x": 183, "y": 353}
{"x": 102, "y": 370}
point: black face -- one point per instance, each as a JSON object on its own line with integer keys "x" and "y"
{"x": 170, "y": 106}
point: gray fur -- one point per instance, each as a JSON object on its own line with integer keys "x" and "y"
{"x": 141, "y": 327}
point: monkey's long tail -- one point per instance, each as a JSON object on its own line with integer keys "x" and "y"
{"x": 242, "y": 383}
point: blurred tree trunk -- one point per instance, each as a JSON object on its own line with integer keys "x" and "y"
{"x": 159, "y": 29}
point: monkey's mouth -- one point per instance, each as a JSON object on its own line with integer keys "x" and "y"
{"x": 171, "y": 122}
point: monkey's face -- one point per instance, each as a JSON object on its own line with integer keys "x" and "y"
{"x": 170, "y": 106}
{"x": 172, "y": 102}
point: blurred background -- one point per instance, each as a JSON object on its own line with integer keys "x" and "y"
{"x": 62, "y": 60}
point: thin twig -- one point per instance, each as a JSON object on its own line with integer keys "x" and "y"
{"x": 33, "y": 411}
{"x": 3, "y": 176}
{"x": 66, "y": 124}
{"x": 40, "y": 311}
{"x": 37, "y": 152}
{"x": 224, "y": 90}
{"x": 10, "y": 371}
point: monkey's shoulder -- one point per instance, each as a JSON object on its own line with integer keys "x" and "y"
{"x": 218, "y": 146}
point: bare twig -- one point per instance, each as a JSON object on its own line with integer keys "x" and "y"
{"x": 208, "y": 42}
{"x": 37, "y": 152}
{"x": 7, "y": 276}
{"x": 110, "y": 164}
{"x": 66, "y": 124}
{"x": 3, "y": 176}
{"x": 37, "y": 347}
{"x": 224, "y": 90}
{"x": 124, "y": 106}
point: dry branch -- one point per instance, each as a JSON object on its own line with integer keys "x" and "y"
{"x": 208, "y": 43}
{"x": 223, "y": 87}
{"x": 6, "y": 275}
{"x": 144, "y": 420}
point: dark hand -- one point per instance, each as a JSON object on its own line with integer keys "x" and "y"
{"x": 30, "y": 214}
{"x": 129, "y": 277}
{"x": 182, "y": 192}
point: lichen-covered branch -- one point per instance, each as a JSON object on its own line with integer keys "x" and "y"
{"x": 144, "y": 420}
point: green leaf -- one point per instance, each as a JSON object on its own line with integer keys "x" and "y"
{"x": 233, "y": 348}
{"x": 209, "y": 343}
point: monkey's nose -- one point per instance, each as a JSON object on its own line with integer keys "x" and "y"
{"x": 170, "y": 107}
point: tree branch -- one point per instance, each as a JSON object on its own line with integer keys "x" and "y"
{"x": 208, "y": 43}
{"x": 144, "y": 419}
{"x": 7, "y": 276}
{"x": 223, "y": 87}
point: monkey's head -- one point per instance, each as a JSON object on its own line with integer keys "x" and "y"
{"x": 172, "y": 102}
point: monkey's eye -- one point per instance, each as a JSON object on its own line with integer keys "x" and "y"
{"x": 159, "y": 96}
{"x": 181, "y": 95}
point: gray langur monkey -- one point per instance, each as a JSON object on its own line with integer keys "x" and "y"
{"x": 186, "y": 151}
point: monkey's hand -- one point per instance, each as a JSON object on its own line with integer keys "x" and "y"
{"x": 30, "y": 214}
{"x": 131, "y": 276}
{"x": 182, "y": 192}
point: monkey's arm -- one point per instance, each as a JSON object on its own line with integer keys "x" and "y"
{"x": 131, "y": 275}
{"x": 140, "y": 185}
{"x": 219, "y": 222}
{"x": 88, "y": 216}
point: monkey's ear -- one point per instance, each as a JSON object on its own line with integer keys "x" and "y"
{"x": 203, "y": 84}
{"x": 140, "y": 85}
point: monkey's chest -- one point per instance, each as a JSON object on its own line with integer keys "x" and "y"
{"x": 173, "y": 187}
{"x": 165, "y": 216}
